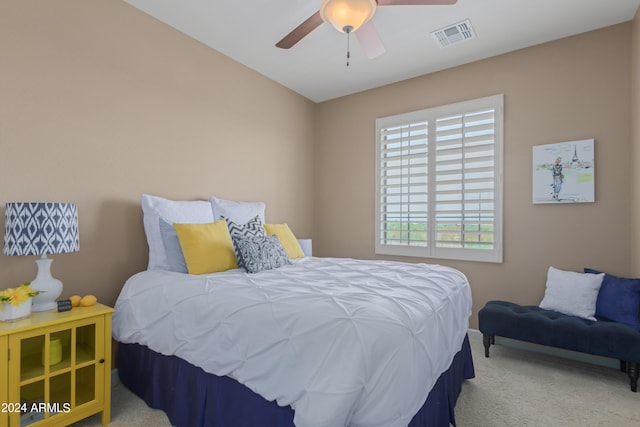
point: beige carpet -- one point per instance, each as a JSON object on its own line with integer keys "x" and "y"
{"x": 512, "y": 388}
{"x": 522, "y": 388}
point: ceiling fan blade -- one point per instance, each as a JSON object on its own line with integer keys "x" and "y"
{"x": 414, "y": 2}
{"x": 369, "y": 40}
{"x": 300, "y": 31}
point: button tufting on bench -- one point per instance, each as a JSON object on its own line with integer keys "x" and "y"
{"x": 546, "y": 327}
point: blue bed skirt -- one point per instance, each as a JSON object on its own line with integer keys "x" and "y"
{"x": 191, "y": 397}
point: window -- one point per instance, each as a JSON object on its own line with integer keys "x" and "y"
{"x": 439, "y": 182}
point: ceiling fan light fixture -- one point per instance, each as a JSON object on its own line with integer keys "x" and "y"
{"x": 347, "y": 15}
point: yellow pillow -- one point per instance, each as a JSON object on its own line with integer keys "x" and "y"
{"x": 207, "y": 248}
{"x": 287, "y": 238}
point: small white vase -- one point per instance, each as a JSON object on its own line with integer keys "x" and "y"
{"x": 10, "y": 312}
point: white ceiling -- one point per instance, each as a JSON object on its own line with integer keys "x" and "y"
{"x": 248, "y": 30}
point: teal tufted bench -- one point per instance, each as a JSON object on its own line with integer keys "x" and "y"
{"x": 537, "y": 325}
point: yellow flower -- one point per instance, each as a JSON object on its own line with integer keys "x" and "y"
{"x": 18, "y": 295}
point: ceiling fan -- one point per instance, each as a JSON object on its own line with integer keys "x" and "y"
{"x": 348, "y": 16}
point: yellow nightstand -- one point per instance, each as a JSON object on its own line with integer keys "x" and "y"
{"x": 55, "y": 368}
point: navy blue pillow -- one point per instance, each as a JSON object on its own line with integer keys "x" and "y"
{"x": 618, "y": 299}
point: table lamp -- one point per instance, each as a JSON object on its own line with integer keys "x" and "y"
{"x": 41, "y": 228}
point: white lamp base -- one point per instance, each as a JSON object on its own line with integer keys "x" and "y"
{"x": 50, "y": 287}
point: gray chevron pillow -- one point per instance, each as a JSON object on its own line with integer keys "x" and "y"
{"x": 251, "y": 228}
{"x": 261, "y": 253}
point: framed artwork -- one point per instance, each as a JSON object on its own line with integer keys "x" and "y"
{"x": 564, "y": 172}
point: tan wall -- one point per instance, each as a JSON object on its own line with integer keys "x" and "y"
{"x": 635, "y": 145}
{"x": 571, "y": 89}
{"x": 100, "y": 103}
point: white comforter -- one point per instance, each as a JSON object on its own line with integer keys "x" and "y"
{"x": 344, "y": 342}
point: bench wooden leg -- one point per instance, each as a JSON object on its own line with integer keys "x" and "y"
{"x": 633, "y": 369}
{"x": 487, "y": 340}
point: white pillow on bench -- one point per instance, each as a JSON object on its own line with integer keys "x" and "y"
{"x": 572, "y": 293}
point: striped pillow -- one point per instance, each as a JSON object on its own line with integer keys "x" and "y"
{"x": 252, "y": 228}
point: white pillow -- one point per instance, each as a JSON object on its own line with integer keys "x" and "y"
{"x": 172, "y": 248}
{"x": 154, "y": 208}
{"x": 238, "y": 212}
{"x": 572, "y": 293}
{"x": 307, "y": 246}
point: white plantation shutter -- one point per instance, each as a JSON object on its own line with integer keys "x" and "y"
{"x": 439, "y": 188}
{"x": 403, "y": 184}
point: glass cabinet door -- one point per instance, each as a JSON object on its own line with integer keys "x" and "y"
{"x": 85, "y": 374}
{"x": 55, "y": 369}
{"x": 4, "y": 385}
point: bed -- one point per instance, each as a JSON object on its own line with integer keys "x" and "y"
{"x": 317, "y": 342}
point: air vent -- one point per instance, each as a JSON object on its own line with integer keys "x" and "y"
{"x": 454, "y": 34}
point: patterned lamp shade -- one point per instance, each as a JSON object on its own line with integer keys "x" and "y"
{"x": 41, "y": 228}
